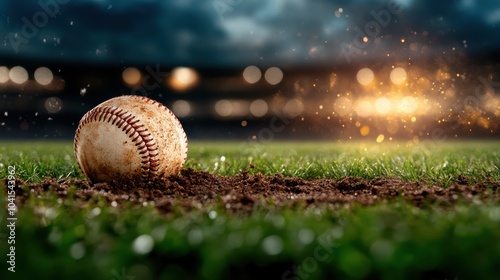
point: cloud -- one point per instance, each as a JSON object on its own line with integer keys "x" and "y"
{"x": 190, "y": 32}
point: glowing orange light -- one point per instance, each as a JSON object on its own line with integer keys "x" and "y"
{"x": 398, "y": 75}
{"x": 365, "y": 76}
{"x": 183, "y": 78}
{"x": 383, "y": 105}
{"x": 408, "y": 105}
{"x": 131, "y": 76}
{"x": 342, "y": 106}
{"x": 364, "y": 130}
{"x": 380, "y": 138}
{"x": 364, "y": 108}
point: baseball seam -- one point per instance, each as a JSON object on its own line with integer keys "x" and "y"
{"x": 179, "y": 125}
{"x": 134, "y": 129}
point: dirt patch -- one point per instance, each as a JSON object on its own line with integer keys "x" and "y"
{"x": 242, "y": 193}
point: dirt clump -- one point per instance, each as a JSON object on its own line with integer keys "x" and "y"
{"x": 194, "y": 189}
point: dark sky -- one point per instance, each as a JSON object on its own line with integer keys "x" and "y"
{"x": 240, "y": 32}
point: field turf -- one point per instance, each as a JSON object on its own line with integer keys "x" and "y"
{"x": 73, "y": 236}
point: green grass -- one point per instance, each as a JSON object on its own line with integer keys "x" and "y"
{"x": 439, "y": 163}
{"x": 68, "y": 239}
{"x": 35, "y": 161}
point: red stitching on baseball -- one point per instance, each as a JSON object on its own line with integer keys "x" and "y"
{"x": 133, "y": 128}
{"x": 172, "y": 114}
{"x": 136, "y": 131}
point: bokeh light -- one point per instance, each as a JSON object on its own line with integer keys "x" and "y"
{"x": 408, "y": 105}
{"x": 492, "y": 105}
{"x": 365, "y": 76}
{"x": 143, "y": 244}
{"x": 4, "y": 74}
{"x": 393, "y": 125}
{"x": 259, "y": 108}
{"x": 364, "y": 130}
{"x": 43, "y": 76}
{"x": 398, "y": 76}
{"x": 53, "y": 104}
{"x": 273, "y": 75}
{"x": 342, "y": 106}
{"x": 364, "y": 108}
{"x": 232, "y": 108}
{"x": 183, "y": 78}
{"x": 383, "y": 105}
{"x": 131, "y": 76}
{"x": 380, "y": 138}
{"x": 223, "y": 108}
{"x": 252, "y": 74}
{"x": 18, "y": 75}
{"x": 181, "y": 108}
{"x": 293, "y": 108}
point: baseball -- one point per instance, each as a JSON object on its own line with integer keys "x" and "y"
{"x": 130, "y": 139}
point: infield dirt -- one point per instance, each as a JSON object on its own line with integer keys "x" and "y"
{"x": 243, "y": 193}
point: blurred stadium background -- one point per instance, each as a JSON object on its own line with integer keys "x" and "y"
{"x": 338, "y": 70}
